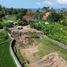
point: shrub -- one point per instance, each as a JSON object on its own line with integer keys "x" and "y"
{"x": 55, "y": 17}
{"x": 54, "y": 30}
{"x": 1, "y": 25}
{"x": 19, "y": 22}
{"x": 9, "y": 24}
{"x": 6, "y": 29}
{"x": 64, "y": 22}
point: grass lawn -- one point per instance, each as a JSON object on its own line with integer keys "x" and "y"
{"x": 6, "y": 59}
{"x": 47, "y": 47}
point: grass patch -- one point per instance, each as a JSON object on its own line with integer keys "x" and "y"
{"x": 47, "y": 47}
{"x": 6, "y": 59}
{"x": 19, "y": 56}
{"x": 54, "y": 30}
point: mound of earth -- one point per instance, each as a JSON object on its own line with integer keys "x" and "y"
{"x": 28, "y": 31}
{"x": 26, "y": 42}
{"x": 50, "y": 60}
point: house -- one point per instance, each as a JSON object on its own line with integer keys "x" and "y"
{"x": 45, "y": 16}
{"x": 27, "y": 18}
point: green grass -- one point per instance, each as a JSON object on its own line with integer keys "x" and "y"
{"x": 47, "y": 47}
{"x": 53, "y": 30}
{"x": 20, "y": 57}
{"x": 6, "y": 59}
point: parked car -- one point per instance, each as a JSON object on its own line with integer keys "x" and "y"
{"x": 19, "y": 27}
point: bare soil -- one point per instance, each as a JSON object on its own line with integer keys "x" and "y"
{"x": 29, "y": 46}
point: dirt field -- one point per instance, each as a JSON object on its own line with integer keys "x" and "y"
{"x": 50, "y": 60}
{"x": 29, "y": 47}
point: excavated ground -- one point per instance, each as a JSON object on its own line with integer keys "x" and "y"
{"x": 29, "y": 46}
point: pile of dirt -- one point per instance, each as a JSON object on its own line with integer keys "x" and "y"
{"x": 50, "y": 60}
{"x": 29, "y": 31}
{"x": 25, "y": 37}
{"x": 26, "y": 42}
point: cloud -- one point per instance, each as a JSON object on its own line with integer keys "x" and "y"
{"x": 44, "y": 3}
{"x": 47, "y": 3}
{"x": 62, "y": 1}
{"x": 52, "y": 3}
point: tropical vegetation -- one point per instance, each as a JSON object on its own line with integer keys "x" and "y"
{"x": 53, "y": 30}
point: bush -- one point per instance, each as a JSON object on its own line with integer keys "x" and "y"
{"x": 6, "y": 29}
{"x": 19, "y": 22}
{"x": 55, "y": 17}
{"x": 8, "y": 24}
{"x": 64, "y": 22}
{"x": 1, "y": 25}
{"x": 54, "y": 30}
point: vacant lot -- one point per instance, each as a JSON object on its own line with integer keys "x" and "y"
{"x": 5, "y": 56}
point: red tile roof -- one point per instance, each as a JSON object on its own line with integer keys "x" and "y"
{"x": 27, "y": 18}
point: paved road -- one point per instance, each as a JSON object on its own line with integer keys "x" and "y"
{"x": 56, "y": 42}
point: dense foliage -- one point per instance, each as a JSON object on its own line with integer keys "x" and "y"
{"x": 19, "y": 22}
{"x": 54, "y": 30}
{"x": 64, "y": 22}
{"x": 55, "y": 17}
{"x": 8, "y": 24}
{"x": 1, "y": 25}
{"x": 11, "y": 11}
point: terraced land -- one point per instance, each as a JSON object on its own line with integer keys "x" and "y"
{"x": 6, "y": 59}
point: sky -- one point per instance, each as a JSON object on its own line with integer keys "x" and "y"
{"x": 34, "y": 3}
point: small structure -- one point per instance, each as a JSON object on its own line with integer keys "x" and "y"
{"x": 45, "y": 16}
{"x": 35, "y": 20}
{"x": 46, "y": 23}
{"x": 27, "y": 18}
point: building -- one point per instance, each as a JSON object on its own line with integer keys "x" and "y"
{"x": 45, "y": 16}
{"x": 27, "y": 18}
